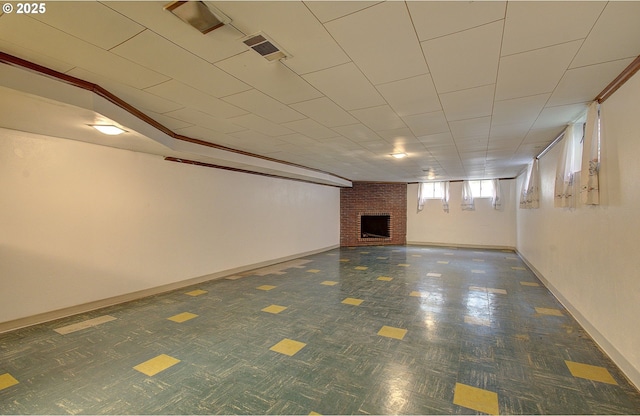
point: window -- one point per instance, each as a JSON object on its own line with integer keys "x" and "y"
{"x": 482, "y": 188}
{"x": 432, "y": 190}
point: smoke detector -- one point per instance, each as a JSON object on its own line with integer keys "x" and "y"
{"x": 266, "y": 47}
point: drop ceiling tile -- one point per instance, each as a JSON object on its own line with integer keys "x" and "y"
{"x": 33, "y": 56}
{"x": 272, "y": 78}
{"x": 50, "y": 42}
{"x": 140, "y": 99}
{"x": 92, "y": 22}
{"x": 437, "y": 139}
{"x": 434, "y": 19}
{"x": 401, "y": 135}
{"x": 357, "y": 132}
{"x": 194, "y": 98}
{"x": 559, "y": 116}
{"x": 329, "y": 10}
{"x": 518, "y": 110}
{"x": 469, "y": 103}
{"x": 534, "y": 25}
{"x": 264, "y": 106}
{"x": 379, "y": 118}
{"x": 465, "y": 59}
{"x": 509, "y": 132}
{"x": 411, "y": 96}
{"x": 543, "y": 135}
{"x": 346, "y": 86}
{"x": 616, "y": 35}
{"x": 535, "y": 72}
{"x": 472, "y": 128}
{"x": 207, "y": 121}
{"x": 261, "y": 125}
{"x": 325, "y": 112}
{"x": 427, "y": 123}
{"x": 202, "y": 133}
{"x": 378, "y": 146}
{"x": 220, "y": 44}
{"x": 310, "y": 128}
{"x": 291, "y": 25}
{"x": 153, "y": 51}
{"x": 383, "y": 55}
{"x": 169, "y": 122}
{"x": 585, "y": 83}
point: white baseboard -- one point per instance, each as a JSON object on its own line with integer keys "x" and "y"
{"x": 632, "y": 373}
{"x": 478, "y": 246}
{"x": 128, "y": 297}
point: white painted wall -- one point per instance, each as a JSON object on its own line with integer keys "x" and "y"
{"x": 590, "y": 256}
{"x": 81, "y": 222}
{"x": 483, "y": 227}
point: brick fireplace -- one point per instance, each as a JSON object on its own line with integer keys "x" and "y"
{"x": 373, "y": 213}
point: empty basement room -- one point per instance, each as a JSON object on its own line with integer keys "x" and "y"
{"x": 319, "y": 207}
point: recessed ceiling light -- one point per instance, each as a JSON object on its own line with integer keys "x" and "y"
{"x": 399, "y": 155}
{"x": 109, "y": 129}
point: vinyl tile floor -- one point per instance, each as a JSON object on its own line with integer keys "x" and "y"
{"x": 375, "y": 330}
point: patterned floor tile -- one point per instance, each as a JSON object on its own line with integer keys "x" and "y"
{"x": 391, "y": 332}
{"x": 182, "y": 317}
{"x": 7, "y": 380}
{"x": 196, "y": 292}
{"x": 288, "y": 347}
{"x": 352, "y": 301}
{"x": 477, "y": 399}
{"x": 275, "y": 309}
{"x": 590, "y": 372}
{"x": 156, "y": 365}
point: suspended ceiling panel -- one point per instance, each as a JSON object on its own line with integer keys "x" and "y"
{"x": 444, "y": 81}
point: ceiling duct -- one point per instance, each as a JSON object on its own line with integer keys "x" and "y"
{"x": 267, "y": 48}
{"x": 199, "y": 15}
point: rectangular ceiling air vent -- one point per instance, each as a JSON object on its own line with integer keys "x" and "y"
{"x": 199, "y": 15}
{"x": 267, "y": 48}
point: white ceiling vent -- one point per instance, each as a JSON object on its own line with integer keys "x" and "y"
{"x": 267, "y": 48}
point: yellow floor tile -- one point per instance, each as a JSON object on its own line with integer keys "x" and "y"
{"x": 182, "y": 317}
{"x": 434, "y": 274}
{"x": 7, "y": 380}
{"x": 385, "y": 278}
{"x": 391, "y": 332}
{"x": 382, "y": 258}
{"x": 416, "y": 294}
{"x": 481, "y": 400}
{"x": 274, "y": 309}
{"x": 403, "y": 265}
{"x": 288, "y": 347}
{"x": 364, "y": 252}
{"x": 345, "y": 260}
{"x": 478, "y": 271}
{"x": 361, "y": 267}
{"x": 265, "y": 287}
{"x": 519, "y": 268}
{"x": 156, "y": 365}
{"x": 313, "y": 413}
{"x": 443, "y": 262}
{"x": 590, "y": 372}
{"x": 352, "y": 301}
{"x": 532, "y": 284}
{"x": 196, "y": 292}
{"x": 313, "y": 271}
{"x": 549, "y": 311}
{"x": 329, "y": 283}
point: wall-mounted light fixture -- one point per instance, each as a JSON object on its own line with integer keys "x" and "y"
{"x": 109, "y": 129}
{"x": 199, "y": 15}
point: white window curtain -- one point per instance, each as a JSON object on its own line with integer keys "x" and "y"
{"x": 467, "y": 197}
{"x": 589, "y": 175}
{"x": 568, "y": 167}
{"x": 530, "y": 193}
{"x": 445, "y": 196}
{"x": 422, "y": 195}
{"x": 496, "y": 197}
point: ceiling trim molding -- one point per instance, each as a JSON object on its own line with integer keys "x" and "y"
{"x": 619, "y": 81}
{"x": 269, "y": 175}
{"x": 15, "y": 61}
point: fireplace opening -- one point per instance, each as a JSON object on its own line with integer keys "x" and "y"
{"x": 375, "y": 226}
